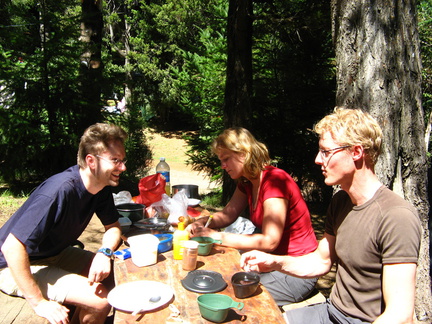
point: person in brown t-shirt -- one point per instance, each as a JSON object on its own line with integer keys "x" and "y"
{"x": 371, "y": 233}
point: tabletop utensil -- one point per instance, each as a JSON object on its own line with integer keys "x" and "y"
{"x": 152, "y": 300}
{"x": 204, "y": 281}
{"x": 134, "y": 212}
{"x": 191, "y": 190}
{"x": 144, "y": 249}
{"x": 209, "y": 221}
{"x": 245, "y": 283}
{"x": 165, "y": 242}
{"x": 205, "y": 244}
{"x": 215, "y": 307}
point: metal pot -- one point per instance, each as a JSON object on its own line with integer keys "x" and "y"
{"x": 155, "y": 225}
{"x": 134, "y": 212}
{"x": 191, "y": 191}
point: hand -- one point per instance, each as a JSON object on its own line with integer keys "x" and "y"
{"x": 258, "y": 261}
{"x": 99, "y": 269}
{"x": 53, "y": 312}
{"x": 195, "y": 229}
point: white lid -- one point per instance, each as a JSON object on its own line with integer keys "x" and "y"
{"x": 191, "y": 244}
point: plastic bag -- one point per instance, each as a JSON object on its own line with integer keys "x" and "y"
{"x": 151, "y": 189}
{"x": 176, "y": 206}
{"x": 241, "y": 226}
{"x": 123, "y": 197}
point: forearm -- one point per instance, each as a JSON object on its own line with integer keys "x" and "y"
{"x": 219, "y": 220}
{"x": 246, "y": 242}
{"x": 112, "y": 237}
{"x": 305, "y": 266}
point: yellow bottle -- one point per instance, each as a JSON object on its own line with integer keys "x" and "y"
{"x": 179, "y": 236}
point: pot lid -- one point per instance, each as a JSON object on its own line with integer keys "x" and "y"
{"x": 204, "y": 281}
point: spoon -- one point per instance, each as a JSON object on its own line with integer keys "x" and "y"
{"x": 152, "y": 300}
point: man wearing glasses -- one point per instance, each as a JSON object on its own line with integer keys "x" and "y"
{"x": 37, "y": 261}
{"x": 371, "y": 233}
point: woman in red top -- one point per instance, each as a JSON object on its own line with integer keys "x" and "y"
{"x": 276, "y": 208}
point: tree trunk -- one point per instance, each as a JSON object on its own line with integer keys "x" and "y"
{"x": 239, "y": 74}
{"x": 379, "y": 70}
{"x": 91, "y": 62}
{"x": 239, "y": 66}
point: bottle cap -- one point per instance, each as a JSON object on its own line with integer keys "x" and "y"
{"x": 162, "y": 159}
{"x": 181, "y": 226}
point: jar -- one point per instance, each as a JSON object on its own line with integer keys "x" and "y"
{"x": 190, "y": 254}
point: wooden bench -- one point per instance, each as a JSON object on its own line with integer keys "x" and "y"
{"x": 17, "y": 310}
{"x": 315, "y": 298}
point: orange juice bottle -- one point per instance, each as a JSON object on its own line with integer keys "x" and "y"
{"x": 180, "y": 235}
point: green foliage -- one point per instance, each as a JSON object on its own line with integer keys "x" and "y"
{"x": 38, "y": 88}
{"x": 168, "y": 59}
{"x": 175, "y": 55}
{"x": 43, "y": 109}
{"x": 138, "y": 153}
{"x": 213, "y": 199}
{"x": 294, "y": 81}
{"x": 200, "y": 83}
{"x": 425, "y": 34}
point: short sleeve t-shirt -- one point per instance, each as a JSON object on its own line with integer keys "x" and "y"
{"x": 298, "y": 236}
{"x": 56, "y": 214}
{"x": 384, "y": 230}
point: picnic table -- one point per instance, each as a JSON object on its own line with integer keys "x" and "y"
{"x": 259, "y": 308}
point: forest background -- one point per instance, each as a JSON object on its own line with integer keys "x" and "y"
{"x": 163, "y": 64}
{"x": 166, "y": 64}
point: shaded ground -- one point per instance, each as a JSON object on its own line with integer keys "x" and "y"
{"x": 173, "y": 148}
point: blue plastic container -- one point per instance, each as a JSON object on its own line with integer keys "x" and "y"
{"x": 165, "y": 242}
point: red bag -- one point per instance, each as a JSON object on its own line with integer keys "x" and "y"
{"x": 151, "y": 189}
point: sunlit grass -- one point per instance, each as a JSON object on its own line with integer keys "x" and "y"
{"x": 9, "y": 203}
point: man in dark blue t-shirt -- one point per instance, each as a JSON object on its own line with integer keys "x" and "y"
{"x": 37, "y": 261}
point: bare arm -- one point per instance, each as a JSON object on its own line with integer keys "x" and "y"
{"x": 310, "y": 265}
{"x": 274, "y": 218}
{"x": 224, "y": 218}
{"x": 398, "y": 290}
{"x": 101, "y": 264}
{"x": 18, "y": 262}
{"x": 271, "y": 232}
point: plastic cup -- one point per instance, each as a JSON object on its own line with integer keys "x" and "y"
{"x": 144, "y": 249}
{"x": 215, "y": 307}
{"x": 205, "y": 244}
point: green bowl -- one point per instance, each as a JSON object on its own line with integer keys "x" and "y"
{"x": 215, "y": 307}
{"x": 205, "y": 244}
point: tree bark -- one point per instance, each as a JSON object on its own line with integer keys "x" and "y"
{"x": 239, "y": 66}
{"x": 379, "y": 70}
{"x": 239, "y": 74}
{"x": 91, "y": 61}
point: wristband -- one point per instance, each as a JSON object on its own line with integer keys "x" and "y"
{"x": 106, "y": 251}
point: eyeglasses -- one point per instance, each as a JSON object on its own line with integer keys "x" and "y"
{"x": 325, "y": 154}
{"x": 114, "y": 161}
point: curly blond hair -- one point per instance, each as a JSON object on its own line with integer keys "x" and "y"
{"x": 353, "y": 127}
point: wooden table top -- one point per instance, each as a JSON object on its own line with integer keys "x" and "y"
{"x": 259, "y": 308}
